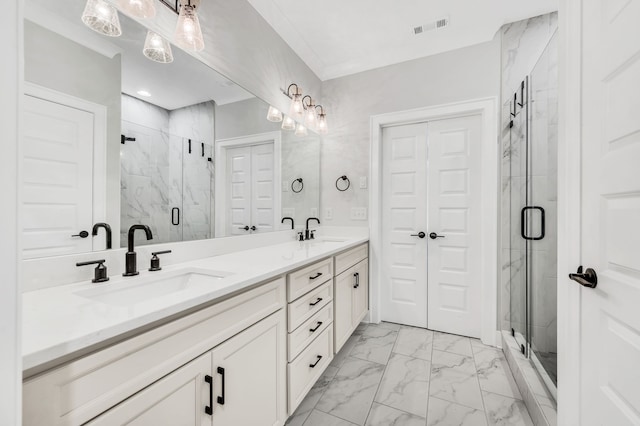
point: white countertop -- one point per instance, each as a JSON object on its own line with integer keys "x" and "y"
{"x": 59, "y": 321}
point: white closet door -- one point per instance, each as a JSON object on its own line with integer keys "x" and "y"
{"x": 263, "y": 187}
{"x": 404, "y": 280}
{"x": 239, "y": 185}
{"x": 454, "y": 187}
{"x": 609, "y": 323}
{"x": 57, "y": 194}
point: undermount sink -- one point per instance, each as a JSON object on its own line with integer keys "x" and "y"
{"x": 129, "y": 292}
{"x": 329, "y": 240}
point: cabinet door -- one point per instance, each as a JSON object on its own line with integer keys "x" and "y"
{"x": 360, "y": 297}
{"x": 250, "y": 376}
{"x": 343, "y": 302}
{"x": 178, "y": 399}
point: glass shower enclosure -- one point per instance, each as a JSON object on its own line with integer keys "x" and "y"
{"x": 532, "y": 175}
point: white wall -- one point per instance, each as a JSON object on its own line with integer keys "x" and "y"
{"x": 464, "y": 74}
{"x": 10, "y": 86}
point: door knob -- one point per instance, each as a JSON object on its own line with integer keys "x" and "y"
{"x": 587, "y": 279}
{"x": 246, "y": 228}
{"x": 82, "y": 234}
{"x": 433, "y": 236}
{"x": 253, "y": 228}
{"x": 419, "y": 235}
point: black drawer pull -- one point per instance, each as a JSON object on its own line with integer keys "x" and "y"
{"x": 313, "y": 330}
{"x": 316, "y": 302}
{"x": 316, "y": 363}
{"x": 357, "y": 277}
{"x": 209, "y": 408}
{"x": 221, "y": 398}
{"x": 318, "y": 275}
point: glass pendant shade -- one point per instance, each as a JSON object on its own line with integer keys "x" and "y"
{"x": 322, "y": 127}
{"x": 288, "y": 123}
{"x": 297, "y": 108}
{"x": 301, "y": 130}
{"x": 102, "y": 17}
{"x": 188, "y": 32}
{"x": 274, "y": 115}
{"x": 144, "y": 9}
{"x": 310, "y": 116}
{"x": 157, "y": 49}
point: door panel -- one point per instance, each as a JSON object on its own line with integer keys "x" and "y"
{"x": 239, "y": 190}
{"x": 454, "y": 188}
{"x": 57, "y": 199}
{"x": 610, "y": 325}
{"x": 404, "y": 281}
{"x": 263, "y": 187}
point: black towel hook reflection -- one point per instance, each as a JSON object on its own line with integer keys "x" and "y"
{"x": 293, "y": 184}
{"x": 343, "y": 178}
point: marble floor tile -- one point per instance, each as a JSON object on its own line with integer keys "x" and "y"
{"x": 360, "y": 328}
{"x": 388, "y": 325}
{"x": 309, "y": 402}
{"x": 318, "y": 418}
{"x": 414, "y": 342}
{"x": 381, "y": 415}
{"x": 405, "y": 384}
{"x": 445, "y": 413}
{"x": 452, "y": 343}
{"x": 505, "y": 411}
{"x": 351, "y": 393}
{"x": 494, "y": 374}
{"x": 454, "y": 379}
{"x": 343, "y": 353}
{"x": 375, "y": 344}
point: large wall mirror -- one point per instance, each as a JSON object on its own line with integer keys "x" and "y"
{"x": 113, "y": 139}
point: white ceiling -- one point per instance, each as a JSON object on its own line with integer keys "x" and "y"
{"x": 341, "y": 37}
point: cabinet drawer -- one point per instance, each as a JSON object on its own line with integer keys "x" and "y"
{"x": 313, "y": 327}
{"x": 302, "y": 375}
{"x": 349, "y": 258}
{"x": 305, "y": 280}
{"x": 308, "y": 305}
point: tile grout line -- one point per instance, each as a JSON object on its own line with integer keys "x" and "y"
{"x": 433, "y": 339}
{"x": 484, "y": 405}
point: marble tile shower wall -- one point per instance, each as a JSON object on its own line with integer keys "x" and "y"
{"x": 523, "y": 43}
{"x": 158, "y": 173}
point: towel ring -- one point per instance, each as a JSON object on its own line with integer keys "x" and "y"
{"x": 343, "y": 178}
{"x": 294, "y": 183}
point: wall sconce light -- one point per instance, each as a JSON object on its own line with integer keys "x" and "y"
{"x": 288, "y": 123}
{"x": 188, "y": 33}
{"x": 296, "y": 111}
{"x": 102, "y": 17}
{"x": 301, "y": 130}
{"x": 157, "y": 48}
{"x": 322, "y": 126}
{"x": 309, "y": 112}
{"x": 274, "y": 115}
{"x": 144, "y": 9}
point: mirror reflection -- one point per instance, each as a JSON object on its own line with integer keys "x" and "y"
{"x": 113, "y": 139}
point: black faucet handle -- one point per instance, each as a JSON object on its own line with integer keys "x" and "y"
{"x": 100, "y": 273}
{"x": 155, "y": 260}
{"x": 160, "y": 252}
{"x": 300, "y": 236}
{"x": 311, "y": 234}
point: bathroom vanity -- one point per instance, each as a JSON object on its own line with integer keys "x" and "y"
{"x": 237, "y": 339}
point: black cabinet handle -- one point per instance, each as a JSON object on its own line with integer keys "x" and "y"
{"x": 316, "y": 302}
{"x": 209, "y": 408}
{"x": 523, "y": 213}
{"x": 318, "y": 275}
{"x": 357, "y": 276}
{"x": 175, "y": 216}
{"x": 313, "y": 330}
{"x": 202, "y": 143}
{"x": 81, "y": 234}
{"x": 316, "y": 363}
{"x": 221, "y": 398}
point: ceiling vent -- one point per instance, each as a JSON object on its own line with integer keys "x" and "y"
{"x": 435, "y": 25}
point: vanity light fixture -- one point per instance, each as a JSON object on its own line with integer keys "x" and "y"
{"x": 188, "y": 33}
{"x": 102, "y": 17}
{"x": 157, "y": 48}
{"x": 301, "y": 130}
{"x": 274, "y": 114}
{"x": 144, "y": 9}
{"x": 322, "y": 127}
{"x": 296, "y": 111}
{"x": 288, "y": 123}
{"x": 309, "y": 112}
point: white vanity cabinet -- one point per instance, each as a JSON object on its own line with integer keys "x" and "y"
{"x": 351, "y": 289}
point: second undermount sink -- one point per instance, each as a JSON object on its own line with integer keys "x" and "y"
{"x": 130, "y": 292}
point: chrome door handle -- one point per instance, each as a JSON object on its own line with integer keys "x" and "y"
{"x": 433, "y": 236}
{"x": 419, "y": 235}
{"x": 587, "y": 279}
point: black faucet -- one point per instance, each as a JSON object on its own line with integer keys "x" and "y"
{"x": 306, "y": 232}
{"x": 131, "y": 267}
{"x": 107, "y": 229}
{"x": 288, "y": 218}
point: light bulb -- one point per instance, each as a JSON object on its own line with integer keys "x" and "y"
{"x": 288, "y": 123}
{"x": 301, "y": 130}
{"x": 144, "y": 9}
{"x": 188, "y": 33}
{"x": 296, "y": 111}
{"x": 310, "y": 116}
{"x": 323, "y": 129}
{"x": 157, "y": 48}
{"x": 102, "y": 17}
{"x": 274, "y": 115}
